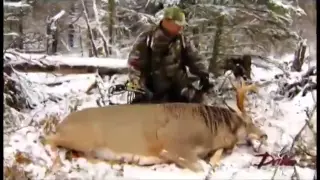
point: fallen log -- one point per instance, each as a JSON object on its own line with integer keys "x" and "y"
{"x": 63, "y": 64}
{"x": 63, "y": 69}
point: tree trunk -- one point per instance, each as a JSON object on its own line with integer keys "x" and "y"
{"x": 48, "y": 35}
{"x": 71, "y": 29}
{"x": 214, "y": 64}
{"x": 80, "y": 42}
{"x": 103, "y": 37}
{"x": 196, "y": 32}
{"x": 20, "y": 30}
{"x": 111, "y": 8}
{"x": 299, "y": 56}
{"x": 71, "y": 32}
{"x": 55, "y": 37}
{"x": 94, "y": 51}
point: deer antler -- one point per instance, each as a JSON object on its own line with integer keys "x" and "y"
{"x": 241, "y": 94}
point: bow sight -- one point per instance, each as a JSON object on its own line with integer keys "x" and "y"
{"x": 127, "y": 87}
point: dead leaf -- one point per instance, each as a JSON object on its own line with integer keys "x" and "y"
{"x": 22, "y": 158}
{"x": 73, "y": 154}
{"x": 50, "y": 123}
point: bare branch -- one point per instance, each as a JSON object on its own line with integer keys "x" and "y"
{"x": 104, "y": 38}
{"x": 94, "y": 48}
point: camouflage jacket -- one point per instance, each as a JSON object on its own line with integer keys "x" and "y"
{"x": 165, "y": 59}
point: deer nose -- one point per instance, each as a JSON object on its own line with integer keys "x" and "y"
{"x": 264, "y": 137}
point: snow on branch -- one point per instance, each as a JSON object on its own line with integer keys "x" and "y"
{"x": 58, "y": 16}
{"x": 15, "y": 4}
{"x": 164, "y": 2}
{"x": 104, "y": 38}
{"x": 142, "y": 16}
{"x": 62, "y": 64}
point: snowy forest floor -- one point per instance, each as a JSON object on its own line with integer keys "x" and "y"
{"x": 25, "y": 154}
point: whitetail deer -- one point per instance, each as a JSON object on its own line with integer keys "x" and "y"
{"x": 148, "y": 134}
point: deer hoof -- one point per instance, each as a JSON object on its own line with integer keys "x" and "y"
{"x": 196, "y": 167}
{"x": 216, "y": 165}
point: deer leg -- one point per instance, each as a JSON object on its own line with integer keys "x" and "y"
{"x": 216, "y": 157}
{"x": 183, "y": 158}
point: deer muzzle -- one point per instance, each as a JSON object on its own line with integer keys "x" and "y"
{"x": 254, "y": 137}
{"x": 258, "y": 142}
{"x": 264, "y": 138}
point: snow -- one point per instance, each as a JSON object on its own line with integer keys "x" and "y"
{"x": 288, "y": 6}
{"x": 281, "y": 119}
{"x": 11, "y": 34}
{"x": 15, "y": 4}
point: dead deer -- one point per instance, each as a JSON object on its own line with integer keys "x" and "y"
{"x": 147, "y": 134}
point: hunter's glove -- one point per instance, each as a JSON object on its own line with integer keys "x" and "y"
{"x": 205, "y": 83}
{"x": 188, "y": 93}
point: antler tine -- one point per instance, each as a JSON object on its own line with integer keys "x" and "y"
{"x": 241, "y": 94}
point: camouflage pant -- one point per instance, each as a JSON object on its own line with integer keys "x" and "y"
{"x": 166, "y": 90}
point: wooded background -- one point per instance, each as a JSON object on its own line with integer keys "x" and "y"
{"x": 107, "y": 28}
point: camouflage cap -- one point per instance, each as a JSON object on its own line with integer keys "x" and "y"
{"x": 176, "y": 14}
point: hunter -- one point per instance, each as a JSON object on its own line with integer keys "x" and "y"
{"x": 158, "y": 60}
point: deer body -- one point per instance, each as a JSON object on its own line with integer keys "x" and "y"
{"x": 154, "y": 133}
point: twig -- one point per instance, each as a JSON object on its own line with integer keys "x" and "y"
{"x": 104, "y": 38}
{"x": 209, "y": 174}
{"x": 295, "y": 139}
{"x": 304, "y": 150}
{"x": 304, "y": 126}
{"x": 119, "y": 172}
{"x": 295, "y": 174}
{"x": 28, "y": 125}
{"x": 91, "y": 87}
{"x": 275, "y": 171}
{"x": 100, "y": 81}
{"x": 224, "y": 80}
{"x": 65, "y": 45}
{"x": 72, "y": 22}
{"x": 25, "y": 89}
{"x": 312, "y": 130}
{"x": 12, "y": 42}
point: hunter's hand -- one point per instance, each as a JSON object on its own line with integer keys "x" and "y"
{"x": 205, "y": 83}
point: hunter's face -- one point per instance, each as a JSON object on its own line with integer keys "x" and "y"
{"x": 172, "y": 27}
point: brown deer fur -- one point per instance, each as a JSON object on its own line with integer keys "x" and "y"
{"x": 157, "y": 133}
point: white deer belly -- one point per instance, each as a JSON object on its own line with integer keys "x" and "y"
{"x": 109, "y": 155}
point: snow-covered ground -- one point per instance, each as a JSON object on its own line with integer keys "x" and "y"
{"x": 282, "y": 120}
